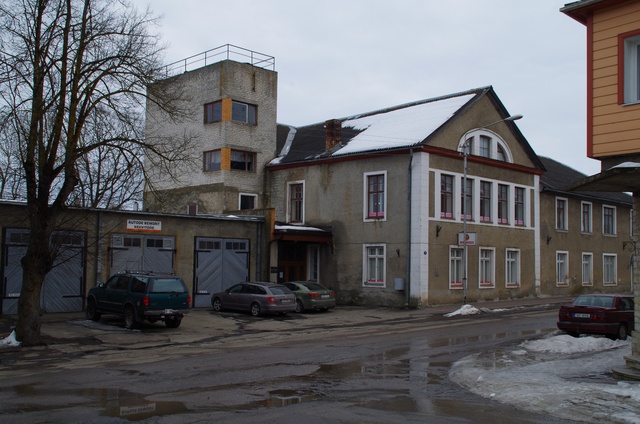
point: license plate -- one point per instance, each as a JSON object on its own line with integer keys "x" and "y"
{"x": 325, "y": 296}
{"x": 285, "y": 301}
{"x": 169, "y": 311}
{"x": 581, "y": 315}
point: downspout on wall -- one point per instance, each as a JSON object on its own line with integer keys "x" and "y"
{"x": 407, "y": 286}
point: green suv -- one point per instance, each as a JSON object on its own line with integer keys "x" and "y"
{"x": 139, "y": 296}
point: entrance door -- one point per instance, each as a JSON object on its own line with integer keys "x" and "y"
{"x": 292, "y": 262}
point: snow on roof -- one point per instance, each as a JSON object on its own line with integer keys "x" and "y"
{"x": 296, "y": 228}
{"x": 400, "y": 127}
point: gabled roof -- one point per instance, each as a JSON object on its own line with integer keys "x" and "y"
{"x": 580, "y": 10}
{"x": 398, "y": 127}
{"x": 559, "y": 178}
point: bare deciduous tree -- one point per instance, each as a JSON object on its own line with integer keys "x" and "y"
{"x": 73, "y": 82}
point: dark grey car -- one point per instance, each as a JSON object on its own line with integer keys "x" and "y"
{"x": 256, "y": 298}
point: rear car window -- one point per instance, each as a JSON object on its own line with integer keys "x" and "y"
{"x": 167, "y": 285}
{"x": 604, "y": 301}
{"x": 313, "y": 286}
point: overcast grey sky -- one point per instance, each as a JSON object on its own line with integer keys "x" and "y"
{"x": 337, "y": 58}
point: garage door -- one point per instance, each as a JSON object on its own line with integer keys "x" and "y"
{"x": 219, "y": 264}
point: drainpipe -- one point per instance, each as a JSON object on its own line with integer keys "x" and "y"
{"x": 259, "y": 252}
{"x": 407, "y": 284}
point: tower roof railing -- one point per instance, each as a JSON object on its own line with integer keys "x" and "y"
{"x": 218, "y": 54}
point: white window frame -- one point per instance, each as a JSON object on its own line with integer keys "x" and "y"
{"x": 631, "y": 70}
{"x": 482, "y": 261}
{"x": 512, "y": 262}
{"x": 562, "y": 280}
{"x": 313, "y": 262}
{"x": 365, "y": 196}
{"x": 304, "y": 197}
{"x": 366, "y": 280}
{"x": 587, "y": 269}
{"x": 564, "y": 216}
{"x": 525, "y": 206}
{"x": 443, "y": 213}
{"x": 455, "y": 266}
{"x": 614, "y": 223}
{"x": 241, "y": 195}
{"x": 473, "y": 141}
{"x": 586, "y": 227}
{"x": 486, "y": 219}
{"x": 613, "y": 273}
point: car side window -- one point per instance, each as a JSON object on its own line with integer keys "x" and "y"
{"x": 625, "y": 304}
{"x": 138, "y": 286}
{"x": 291, "y": 286}
{"x": 112, "y": 283}
{"x": 260, "y": 290}
{"x": 236, "y": 289}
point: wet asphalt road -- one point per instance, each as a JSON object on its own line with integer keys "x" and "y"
{"x": 311, "y": 368}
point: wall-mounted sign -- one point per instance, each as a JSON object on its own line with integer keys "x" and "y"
{"x": 144, "y": 225}
{"x": 470, "y": 239}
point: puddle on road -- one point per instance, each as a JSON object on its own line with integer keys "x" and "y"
{"x": 280, "y": 398}
{"x": 453, "y": 341}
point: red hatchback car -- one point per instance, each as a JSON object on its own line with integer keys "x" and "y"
{"x": 609, "y": 315}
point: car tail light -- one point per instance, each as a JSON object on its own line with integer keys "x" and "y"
{"x": 188, "y": 300}
{"x": 599, "y": 316}
{"x": 146, "y": 301}
{"x": 563, "y": 315}
{"x": 314, "y": 295}
{"x": 271, "y": 299}
{"x": 333, "y": 294}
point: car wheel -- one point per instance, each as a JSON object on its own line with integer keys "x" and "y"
{"x": 173, "y": 322}
{"x": 130, "y": 320}
{"x": 299, "y": 307}
{"x": 216, "y": 304}
{"x": 92, "y": 311}
{"x": 255, "y": 310}
{"x": 622, "y": 332}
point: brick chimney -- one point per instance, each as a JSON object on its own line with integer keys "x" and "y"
{"x": 333, "y": 133}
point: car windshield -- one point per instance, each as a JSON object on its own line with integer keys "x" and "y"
{"x": 603, "y": 301}
{"x": 167, "y": 285}
{"x": 279, "y": 290}
{"x": 314, "y": 286}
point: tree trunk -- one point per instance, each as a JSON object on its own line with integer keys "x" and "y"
{"x": 35, "y": 266}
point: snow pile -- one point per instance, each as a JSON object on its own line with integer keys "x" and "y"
{"x": 10, "y": 340}
{"x": 560, "y": 375}
{"x": 465, "y": 310}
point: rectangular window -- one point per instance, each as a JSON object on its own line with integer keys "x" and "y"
{"x": 455, "y": 267}
{"x": 313, "y": 259}
{"x": 587, "y": 269}
{"x": 211, "y": 160}
{"x": 503, "y": 204}
{"x": 243, "y": 112}
{"x": 485, "y": 146}
{"x": 467, "y": 199}
{"x": 213, "y": 112}
{"x": 374, "y": 265}
{"x": 519, "y": 203}
{"x": 243, "y": 161}
{"x": 609, "y": 270}
{"x": 561, "y": 214}
{"x": 562, "y": 268}
{"x": 512, "y": 271}
{"x": 446, "y": 196}
{"x": 375, "y": 196}
{"x": 296, "y": 202}
{"x": 487, "y": 267}
{"x": 609, "y": 220}
{"x": 247, "y": 201}
{"x": 629, "y": 67}
{"x": 586, "y": 225}
{"x": 485, "y": 201}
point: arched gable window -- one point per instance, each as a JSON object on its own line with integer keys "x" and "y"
{"x": 486, "y": 144}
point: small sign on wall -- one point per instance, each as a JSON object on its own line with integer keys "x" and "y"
{"x": 144, "y": 225}
{"x": 470, "y": 239}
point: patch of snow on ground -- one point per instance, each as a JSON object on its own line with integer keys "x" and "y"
{"x": 10, "y": 340}
{"x": 465, "y": 310}
{"x": 560, "y": 375}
